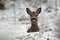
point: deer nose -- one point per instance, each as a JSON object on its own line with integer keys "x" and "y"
{"x": 33, "y": 17}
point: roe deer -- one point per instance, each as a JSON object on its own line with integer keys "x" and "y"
{"x": 34, "y": 16}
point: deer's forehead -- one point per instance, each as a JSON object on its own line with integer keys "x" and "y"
{"x": 33, "y": 12}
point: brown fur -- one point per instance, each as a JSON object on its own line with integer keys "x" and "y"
{"x": 34, "y": 19}
{"x": 2, "y": 7}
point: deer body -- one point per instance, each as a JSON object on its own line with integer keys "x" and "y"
{"x": 34, "y": 20}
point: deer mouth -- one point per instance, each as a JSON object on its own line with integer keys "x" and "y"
{"x": 33, "y": 20}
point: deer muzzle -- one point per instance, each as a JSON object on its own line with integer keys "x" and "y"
{"x": 33, "y": 18}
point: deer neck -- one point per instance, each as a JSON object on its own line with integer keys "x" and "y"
{"x": 34, "y": 23}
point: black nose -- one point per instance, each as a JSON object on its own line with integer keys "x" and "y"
{"x": 33, "y": 18}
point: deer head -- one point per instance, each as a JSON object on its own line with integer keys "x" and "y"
{"x": 34, "y": 14}
{"x": 33, "y": 17}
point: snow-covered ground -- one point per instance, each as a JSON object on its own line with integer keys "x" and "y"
{"x": 14, "y": 21}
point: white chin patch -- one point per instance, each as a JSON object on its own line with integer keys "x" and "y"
{"x": 33, "y": 20}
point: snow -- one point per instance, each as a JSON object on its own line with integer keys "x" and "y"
{"x": 14, "y": 22}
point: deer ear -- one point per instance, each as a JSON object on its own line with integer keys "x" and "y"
{"x": 38, "y": 10}
{"x": 28, "y": 11}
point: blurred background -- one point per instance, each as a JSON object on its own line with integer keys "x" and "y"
{"x": 14, "y": 20}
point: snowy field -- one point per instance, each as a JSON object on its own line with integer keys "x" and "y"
{"x": 14, "y": 21}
